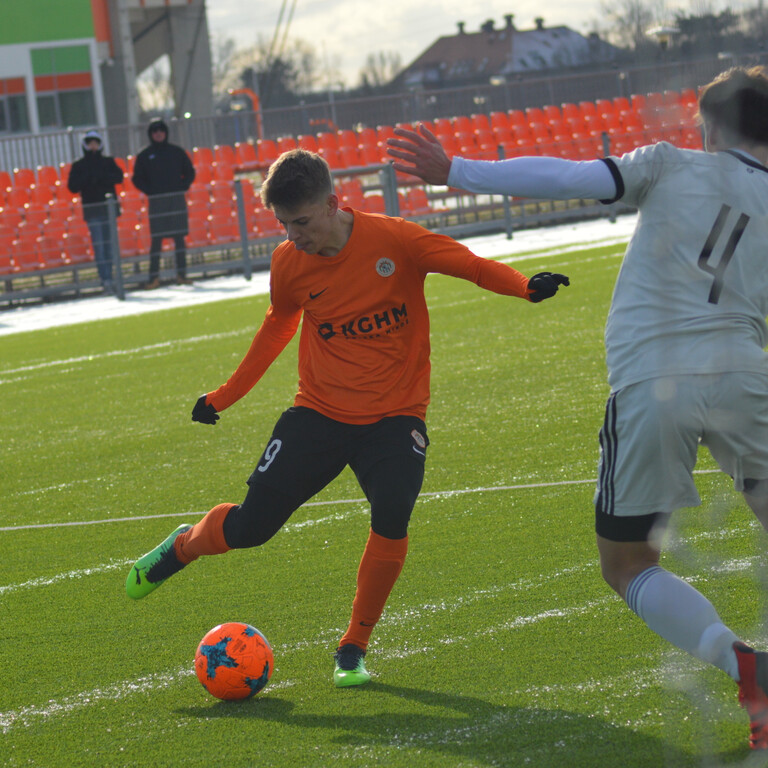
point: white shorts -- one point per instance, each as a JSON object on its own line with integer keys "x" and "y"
{"x": 651, "y": 435}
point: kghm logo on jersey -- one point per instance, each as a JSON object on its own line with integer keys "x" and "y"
{"x": 385, "y": 267}
{"x": 368, "y": 326}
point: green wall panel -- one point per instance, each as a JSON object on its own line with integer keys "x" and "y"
{"x": 33, "y": 21}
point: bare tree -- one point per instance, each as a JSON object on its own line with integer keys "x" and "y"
{"x": 154, "y": 87}
{"x": 278, "y": 76}
{"x": 380, "y": 68}
{"x": 628, "y": 21}
{"x": 223, "y": 51}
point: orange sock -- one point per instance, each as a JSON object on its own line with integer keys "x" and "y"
{"x": 379, "y": 568}
{"x": 205, "y": 538}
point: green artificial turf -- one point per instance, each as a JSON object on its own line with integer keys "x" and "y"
{"x": 500, "y": 644}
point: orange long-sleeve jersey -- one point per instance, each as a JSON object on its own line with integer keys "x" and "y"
{"x": 364, "y": 345}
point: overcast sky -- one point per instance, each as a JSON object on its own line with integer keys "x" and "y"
{"x": 346, "y": 31}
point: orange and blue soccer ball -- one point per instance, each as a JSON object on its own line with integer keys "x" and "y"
{"x": 234, "y": 661}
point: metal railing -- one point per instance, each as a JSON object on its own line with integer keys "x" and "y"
{"x": 313, "y": 116}
{"x": 53, "y": 258}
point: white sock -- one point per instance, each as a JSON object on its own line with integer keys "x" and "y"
{"x": 673, "y": 609}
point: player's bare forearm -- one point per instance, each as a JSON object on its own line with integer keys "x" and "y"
{"x": 421, "y": 154}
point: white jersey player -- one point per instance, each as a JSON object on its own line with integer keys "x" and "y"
{"x": 685, "y": 343}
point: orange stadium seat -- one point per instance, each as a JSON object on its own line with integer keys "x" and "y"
{"x": 48, "y": 175}
{"x": 202, "y": 156}
{"x": 350, "y": 157}
{"x": 23, "y": 177}
{"x": 128, "y": 238}
{"x": 326, "y": 140}
{"x": 308, "y": 141}
{"x": 418, "y": 202}
{"x": 222, "y": 198}
{"x": 266, "y": 224}
{"x": 375, "y": 204}
{"x": 42, "y": 194}
{"x": 223, "y": 171}
{"x": 266, "y": 151}
{"x": 195, "y": 195}
{"x": 569, "y": 111}
{"x": 535, "y": 115}
{"x": 51, "y": 251}
{"x": 7, "y": 264}
{"x": 346, "y": 138}
{"x": 499, "y": 120}
{"x": 333, "y": 158}
{"x": 372, "y": 154}
{"x": 245, "y": 154}
{"x": 621, "y": 105}
{"x": 223, "y": 229}
{"x": 76, "y": 248}
{"x": 224, "y": 153}
{"x": 352, "y": 194}
{"x": 198, "y": 232}
{"x": 462, "y": 124}
{"x": 286, "y": 144}
{"x": 203, "y": 174}
{"x": 502, "y": 134}
{"x": 35, "y": 214}
{"x": 26, "y": 253}
{"x": 367, "y": 136}
{"x": 18, "y": 197}
{"x": 384, "y": 132}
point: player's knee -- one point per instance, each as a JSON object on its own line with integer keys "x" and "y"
{"x": 262, "y": 514}
{"x": 391, "y": 524}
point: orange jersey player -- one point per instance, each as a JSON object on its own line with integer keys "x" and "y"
{"x": 358, "y": 281}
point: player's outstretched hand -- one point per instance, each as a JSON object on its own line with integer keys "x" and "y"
{"x": 204, "y": 413}
{"x": 544, "y": 285}
{"x": 423, "y": 152}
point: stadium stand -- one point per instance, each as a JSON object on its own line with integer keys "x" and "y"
{"x": 42, "y": 231}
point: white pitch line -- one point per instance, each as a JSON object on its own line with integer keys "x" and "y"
{"x": 427, "y": 494}
{"x": 113, "y": 565}
{"x": 170, "y": 345}
{"x": 423, "y": 495}
{"x": 26, "y": 716}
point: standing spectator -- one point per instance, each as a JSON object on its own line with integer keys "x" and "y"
{"x": 164, "y": 172}
{"x": 94, "y": 176}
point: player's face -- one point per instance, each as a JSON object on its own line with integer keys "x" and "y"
{"x": 310, "y": 225}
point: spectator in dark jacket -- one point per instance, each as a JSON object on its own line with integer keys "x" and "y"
{"x": 94, "y": 176}
{"x": 164, "y": 172}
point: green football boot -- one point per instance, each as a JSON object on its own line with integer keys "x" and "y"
{"x": 350, "y": 666}
{"x": 152, "y": 569}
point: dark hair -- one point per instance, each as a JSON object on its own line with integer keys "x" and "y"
{"x": 737, "y": 102}
{"x": 295, "y": 178}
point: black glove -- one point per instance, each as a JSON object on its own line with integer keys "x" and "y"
{"x": 205, "y": 414}
{"x": 544, "y": 285}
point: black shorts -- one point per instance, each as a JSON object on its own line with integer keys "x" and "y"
{"x": 308, "y": 450}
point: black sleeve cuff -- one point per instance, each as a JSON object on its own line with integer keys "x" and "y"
{"x": 616, "y": 173}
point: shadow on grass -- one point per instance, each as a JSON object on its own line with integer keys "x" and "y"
{"x": 473, "y": 731}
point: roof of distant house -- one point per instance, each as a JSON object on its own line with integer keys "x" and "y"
{"x": 500, "y": 51}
